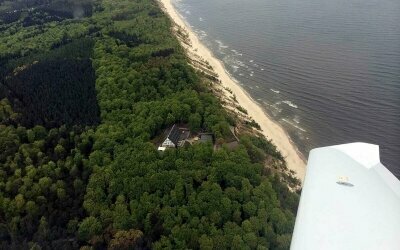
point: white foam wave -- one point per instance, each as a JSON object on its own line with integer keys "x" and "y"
{"x": 275, "y": 91}
{"x": 294, "y": 125}
{"x": 235, "y": 68}
{"x": 221, "y": 45}
{"x": 236, "y": 52}
{"x": 201, "y": 33}
{"x": 291, "y": 104}
{"x": 274, "y": 106}
{"x": 240, "y": 63}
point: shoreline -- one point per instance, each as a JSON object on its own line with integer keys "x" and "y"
{"x": 269, "y": 128}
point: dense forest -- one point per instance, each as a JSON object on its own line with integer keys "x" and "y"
{"x": 86, "y": 89}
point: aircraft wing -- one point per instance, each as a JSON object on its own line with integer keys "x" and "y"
{"x": 349, "y": 201}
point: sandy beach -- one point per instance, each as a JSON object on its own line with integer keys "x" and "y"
{"x": 270, "y": 129}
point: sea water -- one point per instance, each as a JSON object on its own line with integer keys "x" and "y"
{"x": 327, "y": 71}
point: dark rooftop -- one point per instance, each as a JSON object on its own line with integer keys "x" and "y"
{"x": 174, "y": 134}
{"x": 206, "y": 138}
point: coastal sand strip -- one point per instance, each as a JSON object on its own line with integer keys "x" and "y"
{"x": 270, "y": 128}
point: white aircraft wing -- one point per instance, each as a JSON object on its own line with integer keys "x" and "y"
{"x": 349, "y": 201}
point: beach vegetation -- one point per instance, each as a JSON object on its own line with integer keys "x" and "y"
{"x": 241, "y": 109}
{"x": 234, "y": 98}
{"x": 254, "y": 124}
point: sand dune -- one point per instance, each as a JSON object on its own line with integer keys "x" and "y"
{"x": 270, "y": 128}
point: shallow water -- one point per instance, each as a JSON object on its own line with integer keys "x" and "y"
{"x": 328, "y": 71}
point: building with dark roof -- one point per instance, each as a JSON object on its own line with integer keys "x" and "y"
{"x": 173, "y": 138}
{"x": 206, "y": 137}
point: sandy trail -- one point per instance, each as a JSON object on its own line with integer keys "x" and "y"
{"x": 270, "y": 128}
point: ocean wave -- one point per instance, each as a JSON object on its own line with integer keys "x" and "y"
{"x": 198, "y": 31}
{"x": 291, "y": 104}
{"x": 201, "y": 34}
{"x": 294, "y": 125}
{"x": 275, "y": 91}
{"x": 236, "y": 52}
{"x": 274, "y": 106}
{"x": 235, "y": 68}
{"x": 221, "y": 45}
{"x": 240, "y": 63}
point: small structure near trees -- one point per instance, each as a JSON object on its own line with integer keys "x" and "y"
{"x": 206, "y": 137}
{"x": 175, "y": 138}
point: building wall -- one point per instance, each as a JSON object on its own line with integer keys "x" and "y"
{"x": 168, "y": 143}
